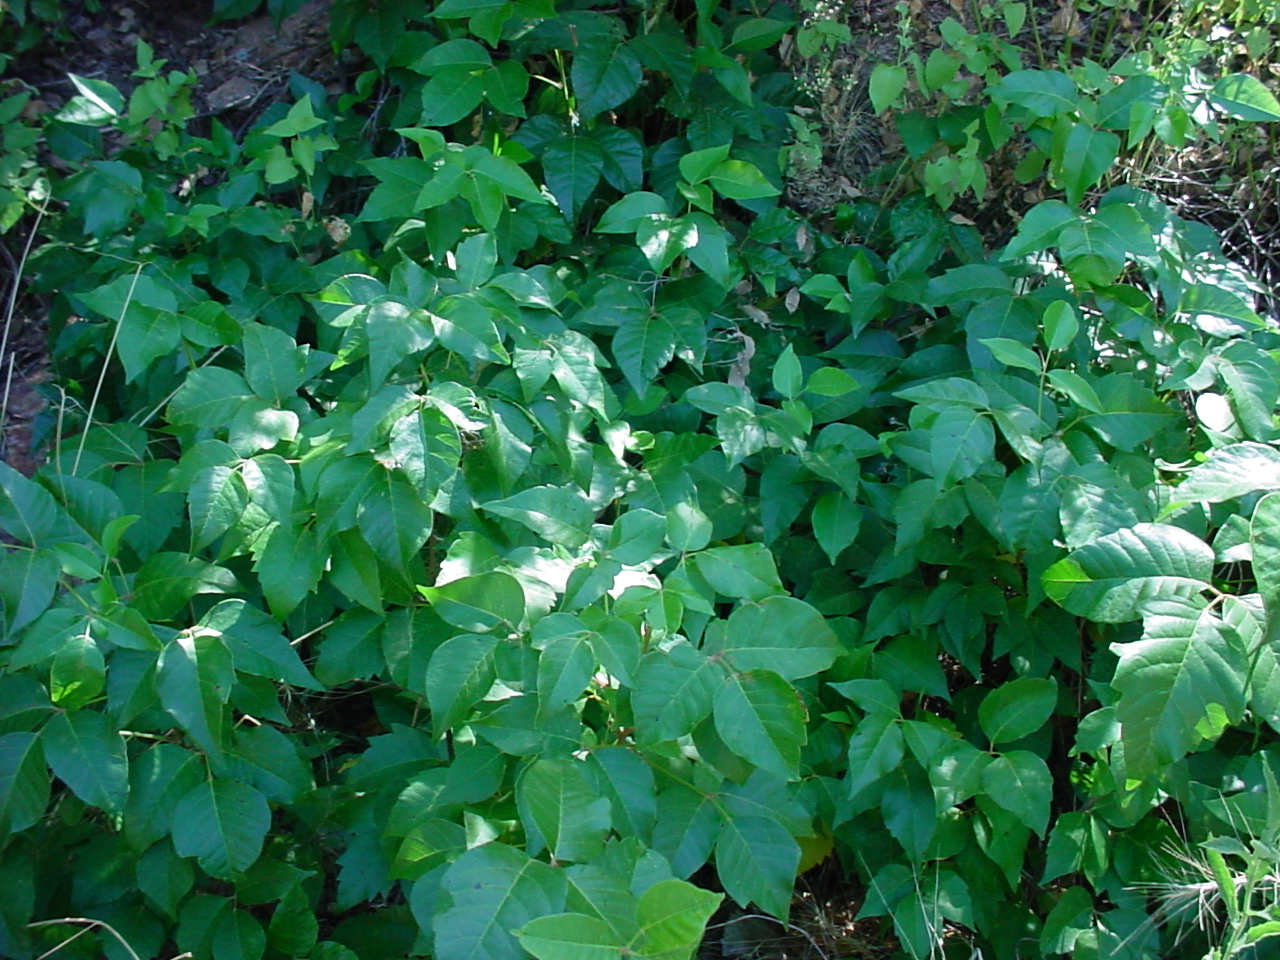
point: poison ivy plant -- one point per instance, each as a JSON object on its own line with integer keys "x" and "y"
{"x": 484, "y": 520}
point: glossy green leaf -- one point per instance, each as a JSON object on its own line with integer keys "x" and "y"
{"x": 672, "y": 916}
{"x": 1187, "y": 662}
{"x": 24, "y": 781}
{"x": 761, "y": 718}
{"x": 495, "y": 890}
{"x": 674, "y": 691}
{"x": 393, "y": 518}
{"x": 1232, "y": 472}
{"x": 1042, "y": 93}
{"x": 194, "y": 679}
{"x": 560, "y": 515}
{"x": 88, "y": 755}
{"x": 1012, "y": 353}
{"x": 570, "y": 936}
{"x": 274, "y": 365}
{"x": 604, "y": 75}
{"x": 572, "y": 166}
{"x": 564, "y": 814}
{"x": 781, "y": 634}
{"x": 1245, "y": 97}
{"x": 642, "y": 346}
{"x": 481, "y": 603}
{"x": 1114, "y": 578}
{"x": 1020, "y": 782}
{"x": 78, "y": 674}
{"x": 222, "y": 823}
{"x": 962, "y": 441}
{"x": 460, "y": 673}
{"x": 756, "y": 859}
{"x": 1017, "y": 709}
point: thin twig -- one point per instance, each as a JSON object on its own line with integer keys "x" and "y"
{"x": 106, "y": 362}
{"x": 89, "y": 923}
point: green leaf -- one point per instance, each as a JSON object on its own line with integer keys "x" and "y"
{"x": 393, "y": 518}
{"x": 1020, "y": 782}
{"x": 222, "y": 823}
{"x": 217, "y": 499}
{"x": 460, "y": 673}
{"x": 480, "y": 603}
{"x": 761, "y": 718}
{"x": 1264, "y": 536}
{"x": 1017, "y": 709}
{"x": 745, "y": 572}
{"x": 1076, "y": 387}
{"x": 24, "y": 781}
{"x": 561, "y": 812}
{"x": 1114, "y": 578}
{"x": 836, "y": 521}
{"x": 78, "y": 673}
{"x": 788, "y": 377}
{"x": 909, "y": 808}
{"x": 962, "y": 441}
{"x": 290, "y": 567}
{"x": 570, "y": 936}
{"x": 757, "y": 859}
{"x": 781, "y": 634}
{"x": 886, "y": 85}
{"x": 88, "y": 755}
{"x": 1244, "y": 97}
{"x": 1186, "y": 663}
{"x": 506, "y": 84}
{"x": 673, "y": 916}
{"x": 293, "y": 928}
{"x": 973, "y": 281}
{"x": 28, "y": 580}
{"x": 1042, "y": 93}
{"x": 758, "y": 33}
{"x": 1013, "y": 354}
{"x": 662, "y": 239}
{"x": 395, "y": 334}
{"x": 626, "y": 215}
{"x": 449, "y": 96}
{"x": 739, "y": 180}
{"x": 495, "y": 890}
{"x": 208, "y": 397}
{"x": 1253, "y": 384}
{"x": 194, "y": 679}
{"x": 1217, "y": 311}
{"x": 1070, "y": 919}
{"x": 560, "y": 515}
{"x": 167, "y": 580}
{"x": 1060, "y": 324}
{"x": 642, "y": 346}
{"x": 1039, "y": 228}
{"x": 698, "y": 165}
{"x": 29, "y": 514}
{"x": 875, "y": 749}
{"x": 565, "y": 667}
{"x": 1084, "y": 159}
{"x": 164, "y": 877}
{"x": 256, "y": 644}
{"x": 572, "y": 166}
{"x": 674, "y": 691}
{"x": 1231, "y": 472}
{"x": 605, "y": 74}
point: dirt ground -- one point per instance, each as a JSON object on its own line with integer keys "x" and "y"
{"x": 242, "y": 66}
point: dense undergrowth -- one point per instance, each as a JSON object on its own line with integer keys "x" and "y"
{"x": 481, "y": 519}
